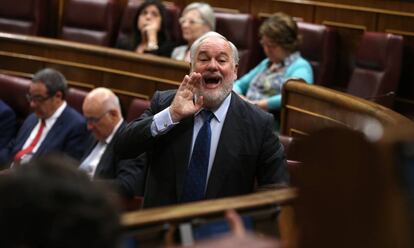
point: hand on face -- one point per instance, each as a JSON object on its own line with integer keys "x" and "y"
{"x": 151, "y": 30}
{"x": 186, "y": 102}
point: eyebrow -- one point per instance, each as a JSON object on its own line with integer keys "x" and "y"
{"x": 205, "y": 53}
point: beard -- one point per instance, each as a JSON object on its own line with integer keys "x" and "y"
{"x": 213, "y": 99}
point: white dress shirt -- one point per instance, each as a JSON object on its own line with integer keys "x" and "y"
{"x": 90, "y": 163}
{"x": 162, "y": 123}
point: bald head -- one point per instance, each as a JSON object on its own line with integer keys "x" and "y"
{"x": 102, "y": 111}
{"x": 103, "y": 98}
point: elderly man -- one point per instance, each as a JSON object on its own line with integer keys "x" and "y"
{"x": 102, "y": 111}
{"x": 203, "y": 141}
{"x": 52, "y": 127}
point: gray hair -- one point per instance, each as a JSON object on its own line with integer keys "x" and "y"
{"x": 53, "y": 80}
{"x": 199, "y": 41}
{"x": 206, "y": 13}
{"x": 112, "y": 102}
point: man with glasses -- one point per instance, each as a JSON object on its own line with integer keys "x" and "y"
{"x": 52, "y": 127}
{"x": 102, "y": 111}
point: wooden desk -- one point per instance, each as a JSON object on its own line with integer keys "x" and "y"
{"x": 89, "y": 66}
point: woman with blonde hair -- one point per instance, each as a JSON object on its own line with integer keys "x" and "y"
{"x": 196, "y": 20}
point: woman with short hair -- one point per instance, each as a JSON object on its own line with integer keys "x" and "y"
{"x": 280, "y": 41}
{"x": 196, "y": 20}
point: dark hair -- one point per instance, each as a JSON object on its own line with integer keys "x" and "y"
{"x": 53, "y": 80}
{"x": 163, "y": 34}
{"x": 49, "y": 203}
{"x": 283, "y": 30}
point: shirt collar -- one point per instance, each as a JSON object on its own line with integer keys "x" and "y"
{"x": 220, "y": 112}
{"x": 55, "y": 115}
{"x": 286, "y": 62}
{"x": 109, "y": 138}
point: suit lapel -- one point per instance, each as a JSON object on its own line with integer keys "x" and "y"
{"x": 108, "y": 156}
{"x": 228, "y": 143}
{"x": 27, "y": 131}
{"x": 53, "y": 133}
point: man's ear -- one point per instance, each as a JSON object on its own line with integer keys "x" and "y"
{"x": 59, "y": 94}
{"x": 236, "y": 69}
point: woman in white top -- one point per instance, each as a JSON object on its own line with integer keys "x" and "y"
{"x": 196, "y": 19}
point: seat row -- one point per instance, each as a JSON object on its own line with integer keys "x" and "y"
{"x": 103, "y": 22}
{"x": 14, "y": 90}
{"x": 376, "y": 65}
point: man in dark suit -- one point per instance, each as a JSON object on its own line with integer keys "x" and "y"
{"x": 7, "y": 124}
{"x": 236, "y": 151}
{"x": 52, "y": 127}
{"x": 102, "y": 111}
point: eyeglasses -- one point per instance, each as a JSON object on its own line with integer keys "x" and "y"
{"x": 95, "y": 120}
{"x": 190, "y": 21}
{"x": 37, "y": 99}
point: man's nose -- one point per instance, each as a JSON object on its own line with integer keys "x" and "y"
{"x": 33, "y": 104}
{"x": 212, "y": 65}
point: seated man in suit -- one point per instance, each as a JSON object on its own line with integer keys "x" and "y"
{"x": 7, "y": 124}
{"x": 103, "y": 115}
{"x": 53, "y": 127}
{"x": 203, "y": 141}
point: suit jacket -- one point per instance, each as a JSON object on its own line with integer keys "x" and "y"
{"x": 248, "y": 151}
{"x": 68, "y": 135}
{"x": 127, "y": 175}
{"x": 7, "y": 124}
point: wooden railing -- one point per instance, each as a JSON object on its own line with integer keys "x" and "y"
{"x": 90, "y": 66}
{"x": 309, "y": 108}
{"x": 157, "y": 226}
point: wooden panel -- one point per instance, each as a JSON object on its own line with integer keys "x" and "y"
{"x": 230, "y": 5}
{"x": 388, "y": 5}
{"x": 302, "y": 12}
{"x": 309, "y": 108}
{"x": 404, "y": 26}
{"x": 257, "y": 7}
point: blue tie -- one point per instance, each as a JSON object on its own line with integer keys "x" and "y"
{"x": 196, "y": 176}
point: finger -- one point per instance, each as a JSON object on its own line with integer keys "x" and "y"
{"x": 199, "y": 101}
{"x": 195, "y": 78}
{"x": 184, "y": 83}
{"x": 236, "y": 223}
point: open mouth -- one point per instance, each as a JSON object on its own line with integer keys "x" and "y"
{"x": 211, "y": 81}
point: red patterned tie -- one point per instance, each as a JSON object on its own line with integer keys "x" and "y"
{"x": 32, "y": 145}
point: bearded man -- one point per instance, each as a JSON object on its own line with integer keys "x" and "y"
{"x": 202, "y": 140}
